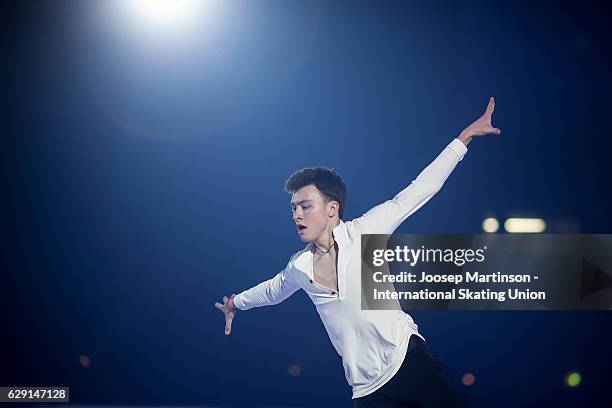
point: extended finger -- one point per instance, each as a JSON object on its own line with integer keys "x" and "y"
{"x": 219, "y": 306}
{"x": 228, "y": 324}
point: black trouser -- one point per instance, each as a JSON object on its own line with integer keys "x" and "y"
{"x": 420, "y": 382}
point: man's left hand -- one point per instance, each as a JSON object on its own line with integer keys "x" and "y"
{"x": 481, "y": 126}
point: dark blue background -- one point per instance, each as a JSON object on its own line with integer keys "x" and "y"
{"x": 141, "y": 185}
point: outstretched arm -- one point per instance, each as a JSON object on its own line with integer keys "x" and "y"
{"x": 386, "y": 217}
{"x": 270, "y": 292}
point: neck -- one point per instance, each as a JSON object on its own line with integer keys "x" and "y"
{"x": 326, "y": 239}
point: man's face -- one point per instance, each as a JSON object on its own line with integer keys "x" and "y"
{"x": 311, "y": 212}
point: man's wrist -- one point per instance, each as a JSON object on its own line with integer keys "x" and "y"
{"x": 465, "y": 138}
{"x": 231, "y": 303}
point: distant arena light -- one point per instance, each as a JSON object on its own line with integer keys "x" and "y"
{"x": 528, "y": 225}
{"x": 294, "y": 370}
{"x": 468, "y": 379}
{"x": 572, "y": 379}
{"x": 490, "y": 225}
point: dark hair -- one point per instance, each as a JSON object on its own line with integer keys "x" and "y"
{"x": 325, "y": 179}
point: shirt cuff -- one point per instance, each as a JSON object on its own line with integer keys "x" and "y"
{"x": 458, "y": 147}
{"x": 238, "y": 302}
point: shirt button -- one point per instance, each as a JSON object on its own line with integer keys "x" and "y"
{"x": 310, "y": 280}
{"x": 333, "y": 293}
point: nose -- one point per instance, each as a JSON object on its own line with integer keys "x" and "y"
{"x": 297, "y": 214}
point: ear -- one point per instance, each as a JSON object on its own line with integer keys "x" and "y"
{"x": 332, "y": 208}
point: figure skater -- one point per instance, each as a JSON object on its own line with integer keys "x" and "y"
{"x": 386, "y": 360}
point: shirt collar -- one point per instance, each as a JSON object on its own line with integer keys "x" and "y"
{"x": 340, "y": 234}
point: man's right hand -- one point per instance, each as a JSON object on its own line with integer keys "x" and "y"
{"x": 229, "y": 310}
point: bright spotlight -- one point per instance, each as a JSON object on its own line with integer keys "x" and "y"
{"x": 161, "y": 14}
{"x": 531, "y": 225}
{"x": 161, "y": 19}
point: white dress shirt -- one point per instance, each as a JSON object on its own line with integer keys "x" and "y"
{"x": 372, "y": 343}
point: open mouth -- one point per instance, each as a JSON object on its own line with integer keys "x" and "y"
{"x": 301, "y": 227}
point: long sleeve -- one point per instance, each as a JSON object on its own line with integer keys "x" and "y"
{"x": 270, "y": 292}
{"x": 386, "y": 217}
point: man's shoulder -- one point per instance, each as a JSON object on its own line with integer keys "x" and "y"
{"x": 299, "y": 258}
{"x": 305, "y": 250}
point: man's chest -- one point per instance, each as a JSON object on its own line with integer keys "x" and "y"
{"x": 325, "y": 270}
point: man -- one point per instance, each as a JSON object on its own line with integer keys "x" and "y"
{"x": 384, "y": 363}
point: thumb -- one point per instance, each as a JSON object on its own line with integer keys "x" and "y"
{"x": 490, "y": 106}
{"x": 495, "y": 131}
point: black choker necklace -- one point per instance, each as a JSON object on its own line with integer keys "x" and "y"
{"x": 328, "y": 249}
